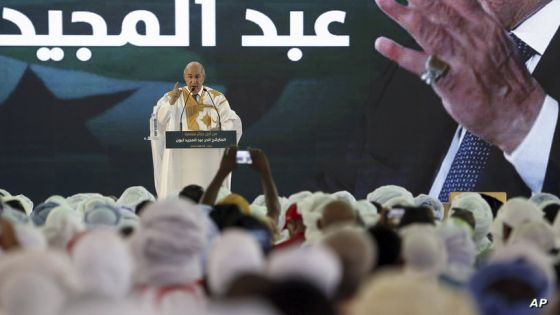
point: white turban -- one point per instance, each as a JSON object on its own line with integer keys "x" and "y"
{"x": 234, "y": 253}
{"x": 102, "y": 215}
{"x": 15, "y": 216}
{"x": 432, "y": 203}
{"x": 104, "y": 263}
{"x": 259, "y": 201}
{"x": 367, "y": 212}
{"x": 311, "y": 209}
{"x": 423, "y": 250}
{"x": 4, "y": 192}
{"x": 482, "y": 213}
{"x": 384, "y": 194}
{"x": 75, "y": 200}
{"x": 128, "y": 218}
{"x": 58, "y": 200}
{"x": 315, "y": 264}
{"x": 61, "y": 226}
{"x": 94, "y": 201}
{"x": 132, "y": 196}
{"x": 542, "y": 197}
{"x": 33, "y": 282}
{"x": 519, "y": 210}
{"x": 25, "y": 202}
{"x": 170, "y": 242}
{"x": 345, "y": 196}
{"x": 536, "y": 233}
{"x": 513, "y": 213}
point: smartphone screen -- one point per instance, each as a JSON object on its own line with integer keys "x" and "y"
{"x": 244, "y": 157}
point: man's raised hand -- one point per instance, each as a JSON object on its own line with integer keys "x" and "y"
{"x": 175, "y": 93}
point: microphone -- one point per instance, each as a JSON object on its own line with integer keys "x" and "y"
{"x": 183, "y": 111}
{"x": 215, "y": 108}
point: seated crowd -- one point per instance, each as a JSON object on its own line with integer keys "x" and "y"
{"x": 210, "y": 251}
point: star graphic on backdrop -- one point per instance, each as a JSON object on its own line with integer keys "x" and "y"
{"x": 33, "y": 120}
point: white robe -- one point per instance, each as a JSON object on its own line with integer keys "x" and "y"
{"x": 177, "y": 168}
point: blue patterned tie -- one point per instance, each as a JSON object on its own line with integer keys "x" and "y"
{"x": 473, "y": 151}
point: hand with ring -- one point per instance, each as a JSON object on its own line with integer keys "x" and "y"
{"x": 471, "y": 64}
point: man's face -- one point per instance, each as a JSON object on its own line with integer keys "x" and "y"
{"x": 194, "y": 78}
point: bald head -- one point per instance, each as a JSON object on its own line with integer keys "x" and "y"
{"x": 337, "y": 212}
{"x": 194, "y": 75}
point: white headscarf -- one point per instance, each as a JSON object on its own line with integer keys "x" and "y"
{"x": 384, "y": 194}
{"x": 513, "y": 213}
{"x": 25, "y": 202}
{"x": 482, "y": 213}
{"x": 432, "y": 203}
{"x": 36, "y": 283}
{"x": 315, "y": 264}
{"x": 75, "y": 200}
{"x": 367, "y": 212}
{"x": 169, "y": 243}
{"x": 4, "y": 192}
{"x": 104, "y": 263}
{"x": 311, "y": 209}
{"x": 345, "y": 196}
{"x": 132, "y": 196}
{"x": 234, "y": 253}
{"x": 61, "y": 226}
{"x": 542, "y": 197}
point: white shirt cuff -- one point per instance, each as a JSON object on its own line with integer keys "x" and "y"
{"x": 530, "y": 158}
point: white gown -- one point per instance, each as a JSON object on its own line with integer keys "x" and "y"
{"x": 177, "y": 168}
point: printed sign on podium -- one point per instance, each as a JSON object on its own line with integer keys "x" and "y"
{"x": 199, "y": 139}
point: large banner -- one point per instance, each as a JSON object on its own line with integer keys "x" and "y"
{"x": 80, "y": 79}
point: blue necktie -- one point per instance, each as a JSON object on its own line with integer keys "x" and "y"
{"x": 473, "y": 151}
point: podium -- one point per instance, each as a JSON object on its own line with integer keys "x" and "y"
{"x": 200, "y": 139}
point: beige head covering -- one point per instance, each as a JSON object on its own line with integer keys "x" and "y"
{"x": 392, "y": 292}
{"x": 423, "y": 250}
{"x": 536, "y": 233}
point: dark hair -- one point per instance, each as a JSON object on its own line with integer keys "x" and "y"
{"x": 192, "y": 192}
{"x": 417, "y": 215}
{"x": 223, "y": 215}
{"x": 464, "y": 215}
{"x": 388, "y": 245}
{"x": 297, "y": 297}
{"x": 550, "y": 212}
{"x": 142, "y": 206}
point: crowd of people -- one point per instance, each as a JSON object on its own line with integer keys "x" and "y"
{"x": 207, "y": 250}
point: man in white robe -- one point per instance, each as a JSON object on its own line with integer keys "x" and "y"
{"x": 177, "y": 168}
